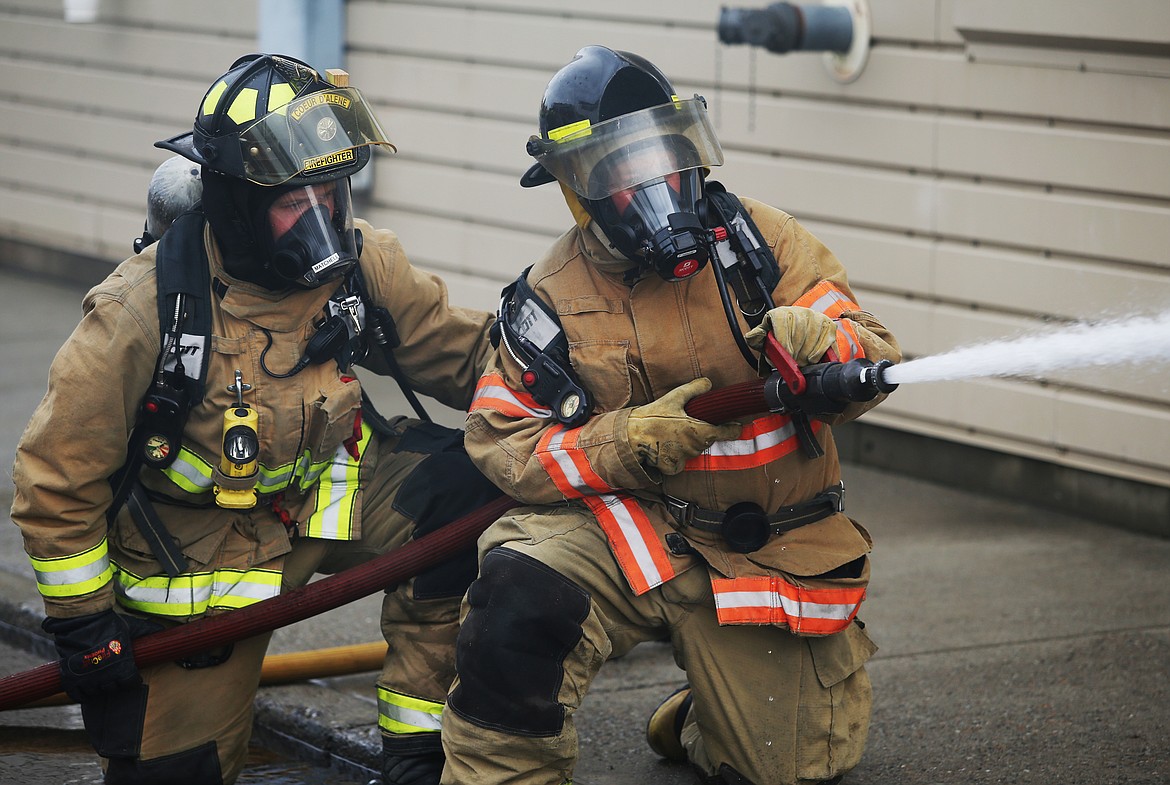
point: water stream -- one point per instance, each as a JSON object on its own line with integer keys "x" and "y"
{"x": 1139, "y": 339}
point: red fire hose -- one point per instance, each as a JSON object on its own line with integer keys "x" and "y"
{"x": 344, "y": 587}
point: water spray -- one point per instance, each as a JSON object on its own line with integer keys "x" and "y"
{"x": 1085, "y": 344}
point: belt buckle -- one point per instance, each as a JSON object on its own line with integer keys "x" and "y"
{"x": 837, "y": 494}
{"x": 681, "y": 511}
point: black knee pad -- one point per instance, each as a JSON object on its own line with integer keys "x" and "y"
{"x": 523, "y": 620}
{"x": 444, "y": 486}
{"x": 199, "y": 766}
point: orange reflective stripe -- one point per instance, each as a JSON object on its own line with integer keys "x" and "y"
{"x": 848, "y": 345}
{"x": 832, "y": 302}
{"x": 635, "y": 543}
{"x": 761, "y": 441}
{"x": 493, "y": 393}
{"x": 567, "y": 465}
{"x": 828, "y": 299}
{"x": 772, "y": 600}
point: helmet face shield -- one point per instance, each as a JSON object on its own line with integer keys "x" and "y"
{"x": 315, "y": 134}
{"x": 311, "y": 239}
{"x": 598, "y": 160}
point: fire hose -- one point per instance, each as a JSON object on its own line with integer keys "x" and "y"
{"x": 838, "y": 382}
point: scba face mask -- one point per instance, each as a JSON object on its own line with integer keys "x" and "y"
{"x": 312, "y": 239}
{"x": 655, "y": 224}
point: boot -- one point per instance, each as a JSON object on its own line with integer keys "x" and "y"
{"x": 664, "y": 728}
{"x": 412, "y": 761}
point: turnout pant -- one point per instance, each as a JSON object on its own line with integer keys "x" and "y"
{"x": 198, "y": 721}
{"x": 551, "y": 605}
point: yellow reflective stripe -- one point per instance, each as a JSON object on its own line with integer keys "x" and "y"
{"x": 190, "y": 472}
{"x": 243, "y": 108}
{"x": 313, "y": 472}
{"x": 72, "y": 576}
{"x": 272, "y": 480}
{"x": 557, "y": 134}
{"x": 399, "y": 713}
{"x": 196, "y": 593}
{"x": 193, "y": 474}
{"x": 279, "y": 95}
{"x": 213, "y": 96}
{"x": 332, "y": 518}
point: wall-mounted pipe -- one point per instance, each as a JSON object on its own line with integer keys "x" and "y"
{"x": 839, "y": 28}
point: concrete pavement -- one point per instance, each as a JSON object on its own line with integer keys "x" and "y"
{"x": 1017, "y": 645}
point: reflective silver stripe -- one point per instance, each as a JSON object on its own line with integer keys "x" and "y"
{"x": 398, "y": 713}
{"x": 67, "y": 577}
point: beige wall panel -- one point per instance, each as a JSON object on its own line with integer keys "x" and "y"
{"x": 1073, "y": 224}
{"x": 1028, "y": 283}
{"x": 1073, "y": 22}
{"x": 875, "y": 259}
{"x": 119, "y": 95}
{"x": 107, "y": 182}
{"x": 922, "y": 77}
{"x": 828, "y": 131}
{"x": 1102, "y": 161}
{"x": 1065, "y": 428}
{"x": 932, "y": 78}
{"x": 228, "y": 17}
{"x": 473, "y": 143}
{"x": 1031, "y": 283}
{"x": 482, "y": 196}
{"x": 98, "y": 230}
{"x": 491, "y": 255}
{"x": 58, "y": 131}
{"x": 901, "y": 19}
{"x": 498, "y": 91}
{"x": 121, "y": 48}
{"x": 827, "y": 191}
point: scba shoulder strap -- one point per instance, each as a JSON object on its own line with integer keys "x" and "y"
{"x": 533, "y": 335}
{"x": 184, "y": 310}
{"x": 742, "y": 252}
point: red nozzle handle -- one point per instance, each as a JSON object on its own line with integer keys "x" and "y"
{"x": 784, "y": 364}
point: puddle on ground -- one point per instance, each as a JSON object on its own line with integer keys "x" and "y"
{"x": 53, "y": 756}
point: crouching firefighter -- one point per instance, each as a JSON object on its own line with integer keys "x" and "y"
{"x": 729, "y": 541}
{"x": 204, "y": 443}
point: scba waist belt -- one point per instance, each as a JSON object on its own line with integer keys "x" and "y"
{"x": 746, "y": 527}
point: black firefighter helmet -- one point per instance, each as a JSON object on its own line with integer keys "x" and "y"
{"x": 615, "y": 134}
{"x": 269, "y": 126}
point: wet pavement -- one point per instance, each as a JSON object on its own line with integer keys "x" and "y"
{"x": 1018, "y": 645}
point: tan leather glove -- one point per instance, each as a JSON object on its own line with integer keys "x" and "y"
{"x": 805, "y": 333}
{"x": 665, "y": 437}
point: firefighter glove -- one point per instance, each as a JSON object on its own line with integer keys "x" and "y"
{"x": 665, "y": 437}
{"x": 97, "y": 655}
{"x": 806, "y": 334}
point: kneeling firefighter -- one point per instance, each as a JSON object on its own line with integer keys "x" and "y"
{"x": 222, "y": 450}
{"x": 729, "y": 541}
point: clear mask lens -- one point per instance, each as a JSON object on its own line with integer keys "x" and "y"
{"x": 312, "y": 234}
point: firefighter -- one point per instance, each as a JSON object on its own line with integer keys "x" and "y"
{"x": 275, "y": 468}
{"x": 728, "y": 541}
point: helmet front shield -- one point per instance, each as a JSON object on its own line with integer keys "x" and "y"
{"x": 311, "y": 135}
{"x": 659, "y": 141}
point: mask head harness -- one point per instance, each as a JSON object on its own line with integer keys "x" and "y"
{"x": 269, "y": 127}
{"x": 614, "y": 133}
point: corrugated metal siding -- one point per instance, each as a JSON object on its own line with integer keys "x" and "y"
{"x": 997, "y": 168}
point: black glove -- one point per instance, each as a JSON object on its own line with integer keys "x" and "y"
{"x": 413, "y": 759}
{"x": 97, "y": 655}
{"x": 412, "y": 769}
